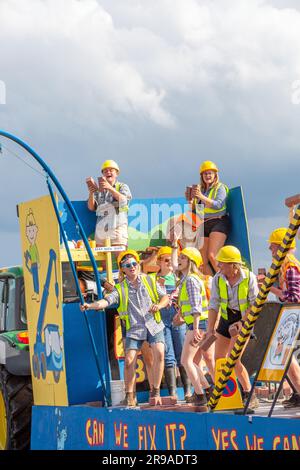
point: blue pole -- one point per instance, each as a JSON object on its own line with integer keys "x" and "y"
{"x": 77, "y": 286}
{"x": 84, "y": 238}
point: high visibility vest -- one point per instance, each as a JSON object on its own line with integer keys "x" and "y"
{"x": 118, "y": 186}
{"x": 243, "y": 290}
{"x": 122, "y": 288}
{"x": 292, "y": 262}
{"x": 184, "y": 302}
{"x": 212, "y": 195}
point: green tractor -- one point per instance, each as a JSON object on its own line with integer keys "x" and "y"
{"x": 16, "y": 397}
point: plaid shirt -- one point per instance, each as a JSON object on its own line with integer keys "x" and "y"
{"x": 194, "y": 289}
{"x": 107, "y": 197}
{"x": 292, "y": 292}
{"x": 139, "y": 304}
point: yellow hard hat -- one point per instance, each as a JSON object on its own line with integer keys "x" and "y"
{"x": 229, "y": 254}
{"x": 208, "y": 165}
{"x": 122, "y": 255}
{"x": 110, "y": 164}
{"x": 164, "y": 250}
{"x": 278, "y": 235}
{"x": 193, "y": 254}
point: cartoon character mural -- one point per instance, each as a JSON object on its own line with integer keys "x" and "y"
{"x": 285, "y": 337}
{"x": 32, "y": 258}
{"x": 48, "y": 355}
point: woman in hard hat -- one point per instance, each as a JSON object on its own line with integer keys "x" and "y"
{"x": 192, "y": 302}
{"x": 139, "y": 299}
{"x": 213, "y": 195}
{"x": 234, "y": 290}
{"x": 110, "y": 200}
{"x": 288, "y": 291}
{"x": 174, "y": 333}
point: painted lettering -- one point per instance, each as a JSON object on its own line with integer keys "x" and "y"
{"x": 121, "y": 435}
{"x": 256, "y": 444}
{"x": 276, "y": 442}
{"x": 183, "y": 436}
{"x": 145, "y": 435}
{"x": 94, "y": 431}
{"x": 152, "y": 433}
{"x": 142, "y": 438}
{"x": 224, "y": 439}
{"x": 175, "y": 436}
{"x": 172, "y": 428}
{"x": 295, "y": 442}
{"x": 233, "y": 435}
{"x": 87, "y": 432}
{"x": 216, "y": 438}
{"x": 225, "y": 442}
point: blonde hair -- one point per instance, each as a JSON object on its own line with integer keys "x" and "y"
{"x": 30, "y": 220}
{"x": 192, "y": 269}
{"x": 203, "y": 184}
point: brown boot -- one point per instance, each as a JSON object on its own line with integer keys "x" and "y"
{"x": 130, "y": 399}
{"x": 155, "y": 394}
{"x": 197, "y": 399}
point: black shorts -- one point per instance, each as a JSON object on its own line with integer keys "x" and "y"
{"x": 217, "y": 225}
{"x": 223, "y": 327}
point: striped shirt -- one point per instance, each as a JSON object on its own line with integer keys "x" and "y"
{"x": 105, "y": 200}
{"x": 292, "y": 292}
{"x": 139, "y": 304}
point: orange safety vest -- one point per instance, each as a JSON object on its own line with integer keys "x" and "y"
{"x": 291, "y": 262}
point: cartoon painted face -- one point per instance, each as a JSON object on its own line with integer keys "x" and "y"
{"x": 286, "y": 331}
{"x": 31, "y": 233}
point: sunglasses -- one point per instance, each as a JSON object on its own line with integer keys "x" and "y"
{"x": 130, "y": 265}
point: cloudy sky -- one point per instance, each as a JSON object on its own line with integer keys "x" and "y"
{"x": 159, "y": 86}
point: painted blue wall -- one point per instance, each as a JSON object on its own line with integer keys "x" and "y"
{"x": 84, "y": 428}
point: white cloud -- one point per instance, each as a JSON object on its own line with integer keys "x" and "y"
{"x": 140, "y": 58}
{"x": 157, "y": 85}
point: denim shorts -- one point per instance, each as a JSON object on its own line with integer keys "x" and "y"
{"x": 202, "y": 325}
{"x": 131, "y": 343}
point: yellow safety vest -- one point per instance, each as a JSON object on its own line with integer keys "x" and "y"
{"x": 122, "y": 288}
{"x": 243, "y": 290}
{"x": 212, "y": 195}
{"x": 184, "y": 302}
{"x": 125, "y": 208}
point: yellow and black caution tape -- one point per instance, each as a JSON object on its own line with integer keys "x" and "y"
{"x": 255, "y": 309}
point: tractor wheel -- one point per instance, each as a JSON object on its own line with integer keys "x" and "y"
{"x": 56, "y": 375}
{"x": 36, "y": 366}
{"x": 15, "y": 411}
{"x": 43, "y": 366}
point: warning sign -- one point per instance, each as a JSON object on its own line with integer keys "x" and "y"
{"x": 281, "y": 345}
{"x": 231, "y": 398}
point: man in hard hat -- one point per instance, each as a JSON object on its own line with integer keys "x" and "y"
{"x": 288, "y": 291}
{"x": 234, "y": 290}
{"x": 110, "y": 200}
{"x": 139, "y": 299}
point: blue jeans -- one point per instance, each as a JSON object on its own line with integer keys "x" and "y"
{"x": 35, "y": 278}
{"x": 174, "y": 337}
{"x": 131, "y": 343}
{"x": 202, "y": 325}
